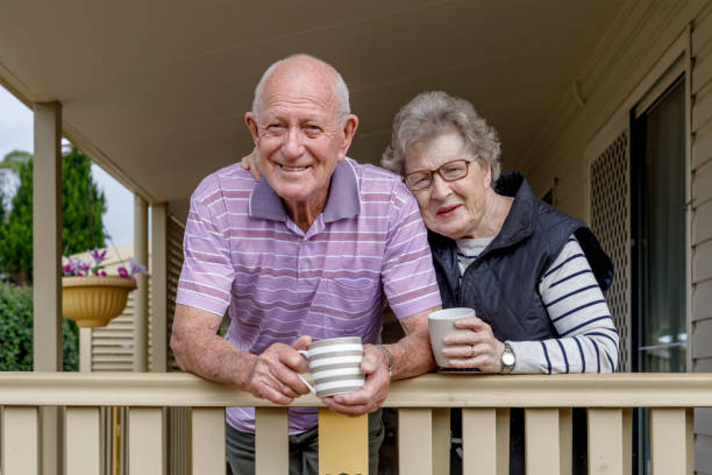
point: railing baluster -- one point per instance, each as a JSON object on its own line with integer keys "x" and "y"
{"x": 542, "y": 453}
{"x": 503, "y": 418}
{"x": 343, "y": 443}
{"x": 208, "y": 440}
{"x": 609, "y": 441}
{"x": 483, "y": 444}
{"x": 20, "y": 444}
{"x": 145, "y": 444}
{"x": 415, "y": 449}
{"x": 672, "y": 441}
{"x": 566, "y": 440}
{"x": 271, "y": 441}
{"x": 441, "y": 440}
{"x": 82, "y": 440}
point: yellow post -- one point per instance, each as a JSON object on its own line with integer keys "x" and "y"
{"x": 343, "y": 444}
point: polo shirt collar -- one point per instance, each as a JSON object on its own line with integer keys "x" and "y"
{"x": 344, "y": 199}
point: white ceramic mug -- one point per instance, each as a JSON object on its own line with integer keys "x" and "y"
{"x": 335, "y": 366}
{"x": 442, "y": 323}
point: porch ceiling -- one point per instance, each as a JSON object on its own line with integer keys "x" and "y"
{"x": 156, "y": 90}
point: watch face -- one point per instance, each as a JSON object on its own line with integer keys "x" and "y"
{"x": 508, "y": 359}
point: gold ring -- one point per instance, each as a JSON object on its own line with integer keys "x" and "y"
{"x": 472, "y": 351}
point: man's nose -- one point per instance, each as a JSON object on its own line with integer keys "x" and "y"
{"x": 293, "y": 144}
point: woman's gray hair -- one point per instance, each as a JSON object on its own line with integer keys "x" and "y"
{"x": 433, "y": 113}
{"x": 340, "y": 89}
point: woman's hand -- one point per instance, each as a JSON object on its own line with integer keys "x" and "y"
{"x": 251, "y": 162}
{"x": 477, "y": 348}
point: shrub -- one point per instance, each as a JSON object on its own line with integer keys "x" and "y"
{"x": 16, "y": 332}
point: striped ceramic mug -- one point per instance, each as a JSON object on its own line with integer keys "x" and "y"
{"x": 335, "y": 365}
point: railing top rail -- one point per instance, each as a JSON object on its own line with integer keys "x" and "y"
{"x": 431, "y": 390}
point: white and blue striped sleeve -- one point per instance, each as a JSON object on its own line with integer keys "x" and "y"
{"x": 588, "y": 340}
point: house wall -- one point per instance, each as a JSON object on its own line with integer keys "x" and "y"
{"x": 647, "y": 39}
{"x": 110, "y": 348}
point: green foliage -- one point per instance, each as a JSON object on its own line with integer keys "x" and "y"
{"x": 16, "y": 232}
{"x": 16, "y": 332}
{"x": 83, "y": 206}
{"x": 15, "y": 159}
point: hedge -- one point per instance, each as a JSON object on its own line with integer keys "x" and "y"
{"x": 16, "y": 332}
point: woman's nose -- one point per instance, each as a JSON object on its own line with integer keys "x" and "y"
{"x": 439, "y": 187}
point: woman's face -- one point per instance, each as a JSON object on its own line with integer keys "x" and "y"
{"x": 454, "y": 209}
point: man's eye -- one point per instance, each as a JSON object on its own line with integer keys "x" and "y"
{"x": 274, "y": 128}
{"x": 312, "y": 129}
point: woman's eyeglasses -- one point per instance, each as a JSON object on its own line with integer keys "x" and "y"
{"x": 450, "y": 171}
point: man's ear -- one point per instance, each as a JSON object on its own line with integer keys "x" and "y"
{"x": 252, "y": 125}
{"x": 350, "y": 126}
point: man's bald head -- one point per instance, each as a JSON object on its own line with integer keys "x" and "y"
{"x": 303, "y": 62}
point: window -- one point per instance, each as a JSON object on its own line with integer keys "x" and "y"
{"x": 659, "y": 321}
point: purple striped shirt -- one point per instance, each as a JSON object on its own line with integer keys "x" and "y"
{"x": 244, "y": 254}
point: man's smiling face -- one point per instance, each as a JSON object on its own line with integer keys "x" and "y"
{"x": 299, "y": 134}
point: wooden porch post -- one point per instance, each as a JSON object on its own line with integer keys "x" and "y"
{"x": 159, "y": 294}
{"x": 47, "y": 261}
{"x": 140, "y": 340}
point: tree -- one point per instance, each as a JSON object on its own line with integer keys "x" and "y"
{"x": 9, "y": 171}
{"x": 83, "y": 206}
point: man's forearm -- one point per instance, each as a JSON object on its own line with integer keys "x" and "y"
{"x": 198, "y": 349}
{"x": 412, "y": 355}
{"x": 218, "y": 360}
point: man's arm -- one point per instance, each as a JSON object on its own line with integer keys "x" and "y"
{"x": 271, "y": 375}
{"x": 412, "y": 356}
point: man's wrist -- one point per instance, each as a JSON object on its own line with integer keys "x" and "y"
{"x": 389, "y": 359}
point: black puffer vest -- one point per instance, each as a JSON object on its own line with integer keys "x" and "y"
{"x": 502, "y": 284}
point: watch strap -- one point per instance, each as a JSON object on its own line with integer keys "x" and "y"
{"x": 508, "y": 368}
{"x": 389, "y": 357}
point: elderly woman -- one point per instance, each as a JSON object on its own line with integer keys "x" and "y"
{"x": 535, "y": 276}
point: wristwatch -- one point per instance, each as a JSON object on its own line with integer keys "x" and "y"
{"x": 508, "y": 359}
{"x": 389, "y": 357}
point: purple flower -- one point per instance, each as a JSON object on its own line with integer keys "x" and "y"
{"x": 137, "y": 268}
{"x": 69, "y": 268}
{"x": 83, "y": 266}
{"x": 80, "y": 268}
{"x": 98, "y": 255}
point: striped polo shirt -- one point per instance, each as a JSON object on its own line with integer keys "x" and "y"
{"x": 244, "y": 255}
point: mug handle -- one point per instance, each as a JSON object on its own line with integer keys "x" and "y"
{"x": 311, "y": 388}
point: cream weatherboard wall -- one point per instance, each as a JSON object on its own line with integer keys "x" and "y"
{"x": 110, "y": 348}
{"x": 648, "y": 44}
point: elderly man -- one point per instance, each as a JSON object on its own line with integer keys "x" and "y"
{"x": 309, "y": 252}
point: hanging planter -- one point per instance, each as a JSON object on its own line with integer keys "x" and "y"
{"x": 92, "y": 298}
{"x": 94, "y": 301}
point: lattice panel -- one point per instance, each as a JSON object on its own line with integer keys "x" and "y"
{"x": 610, "y": 221}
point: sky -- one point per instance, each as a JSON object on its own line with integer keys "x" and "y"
{"x": 16, "y": 133}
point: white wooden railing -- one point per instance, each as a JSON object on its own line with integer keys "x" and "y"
{"x": 423, "y": 404}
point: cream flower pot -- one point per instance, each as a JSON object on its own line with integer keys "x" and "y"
{"x": 94, "y": 301}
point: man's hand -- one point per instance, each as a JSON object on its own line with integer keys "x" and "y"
{"x": 374, "y": 391}
{"x": 252, "y": 162}
{"x": 274, "y": 374}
